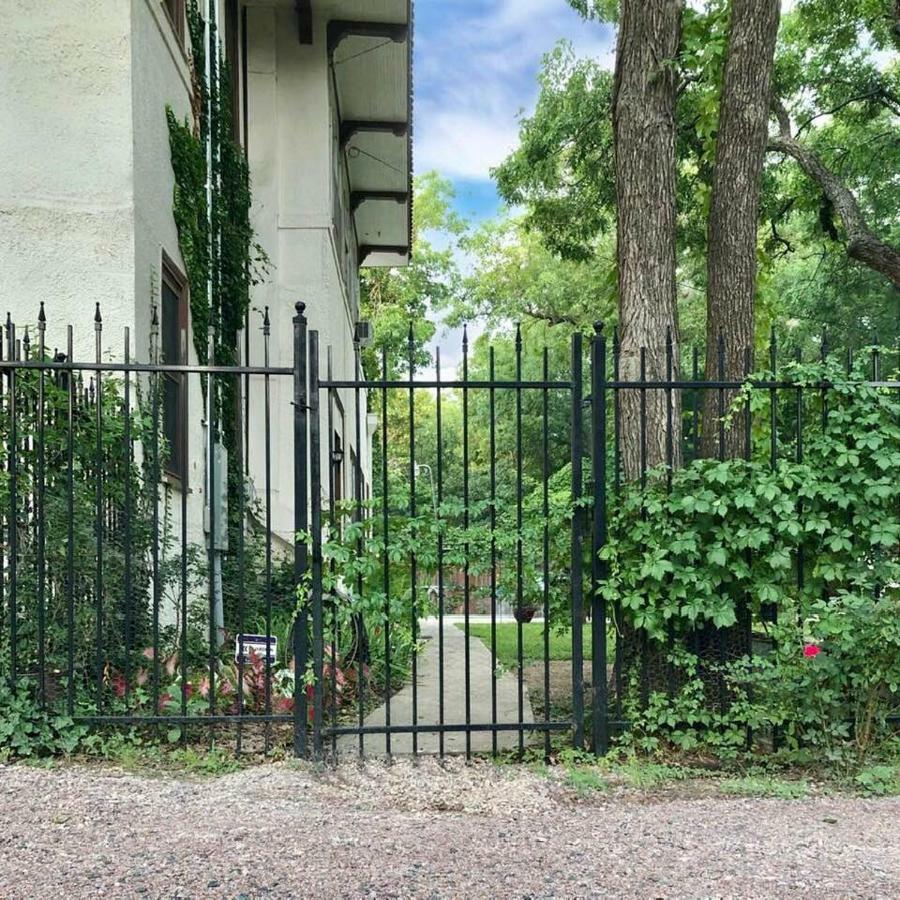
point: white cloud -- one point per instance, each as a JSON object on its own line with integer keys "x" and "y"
{"x": 462, "y": 143}
{"x": 475, "y": 77}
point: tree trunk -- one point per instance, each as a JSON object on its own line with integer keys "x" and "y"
{"x": 643, "y": 108}
{"x": 863, "y": 244}
{"x": 734, "y": 211}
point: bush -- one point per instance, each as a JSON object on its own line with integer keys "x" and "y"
{"x": 805, "y": 550}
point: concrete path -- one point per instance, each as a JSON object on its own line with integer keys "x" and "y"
{"x": 480, "y": 664}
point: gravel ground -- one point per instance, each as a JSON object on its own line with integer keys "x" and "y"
{"x": 425, "y": 831}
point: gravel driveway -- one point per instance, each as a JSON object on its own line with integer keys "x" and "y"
{"x": 425, "y": 831}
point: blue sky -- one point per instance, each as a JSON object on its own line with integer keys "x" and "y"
{"x": 476, "y": 63}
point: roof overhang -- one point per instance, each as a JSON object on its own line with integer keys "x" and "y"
{"x": 370, "y": 48}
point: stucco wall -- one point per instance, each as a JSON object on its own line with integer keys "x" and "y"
{"x": 161, "y": 78}
{"x": 66, "y": 191}
{"x": 291, "y": 145}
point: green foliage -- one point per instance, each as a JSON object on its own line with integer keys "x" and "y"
{"x": 760, "y": 786}
{"x": 75, "y": 508}
{"x": 880, "y": 780}
{"x": 395, "y": 300}
{"x": 28, "y": 731}
{"x": 228, "y": 258}
{"x": 563, "y": 167}
{"x": 842, "y": 93}
{"x": 815, "y": 540}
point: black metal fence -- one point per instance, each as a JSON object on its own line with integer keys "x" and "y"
{"x": 430, "y": 518}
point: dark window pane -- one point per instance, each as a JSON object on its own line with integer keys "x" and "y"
{"x": 171, "y": 330}
{"x": 171, "y": 424}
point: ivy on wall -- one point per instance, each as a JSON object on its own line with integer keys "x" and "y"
{"x": 222, "y": 266}
{"x": 222, "y": 259}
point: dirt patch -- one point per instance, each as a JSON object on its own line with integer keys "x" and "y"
{"x": 560, "y": 671}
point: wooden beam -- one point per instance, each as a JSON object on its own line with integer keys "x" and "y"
{"x": 351, "y": 128}
{"x": 339, "y": 29}
{"x": 357, "y": 198}
{"x": 366, "y": 250}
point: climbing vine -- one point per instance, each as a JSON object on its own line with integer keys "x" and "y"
{"x": 222, "y": 266}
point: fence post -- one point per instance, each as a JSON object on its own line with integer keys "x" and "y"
{"x": 600, "y": 699}
{"x": 301, "y": 523}
{"x": 577, "y": 543}
{"x": 315, "y": 526}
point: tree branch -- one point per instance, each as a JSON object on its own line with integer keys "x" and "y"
{"x": 863, "y": 244}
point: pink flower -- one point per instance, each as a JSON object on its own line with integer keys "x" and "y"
{"x": 811, "y": 650}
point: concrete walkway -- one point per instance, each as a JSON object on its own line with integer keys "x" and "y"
{"x": 480, "y": 665}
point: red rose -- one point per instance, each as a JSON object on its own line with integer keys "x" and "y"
{"x": 811, "y": 650}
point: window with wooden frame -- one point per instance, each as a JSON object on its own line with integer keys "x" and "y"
{"x": 175, "y": 11}
{"x": 173, "y": 346}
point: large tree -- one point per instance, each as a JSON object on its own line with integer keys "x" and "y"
{"x": 734, "y": 207}
{"x": 643, "y": 113}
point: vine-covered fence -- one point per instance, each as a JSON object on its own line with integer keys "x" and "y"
{"x": 707, "y": 561}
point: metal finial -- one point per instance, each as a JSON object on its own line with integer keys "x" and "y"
{"x": 598, "y": 327}
{"x": 42, "y": 318}
{"x": 300, "y": 307}
{"x": 267, "y": 322}
{"x": 465, "y": 340}
{"x": 518, "y": 337}
{"x": 98, "y": 319}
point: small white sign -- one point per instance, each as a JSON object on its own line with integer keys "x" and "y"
{"x": 257, "y": 644}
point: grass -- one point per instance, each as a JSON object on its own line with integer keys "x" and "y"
{"x": 532, "y": 642}
{"x": 762, "y": 786}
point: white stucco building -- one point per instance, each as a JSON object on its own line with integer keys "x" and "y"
{"x": 322, "y": 109}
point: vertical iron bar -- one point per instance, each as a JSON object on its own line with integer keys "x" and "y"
{"x": 301, "y": 527}
{"x": 545, "y": 446}
{"x": 315, "y": 465}
{"x": 619, "y": 649}
{"x": 492, "y": 402}
{"x": 695, "y": 406}
{"x": 599, "y": 704}
{"x": 183, "y": 573}
{"x": 358, "y": 515}
{"x": 267, "y": 463}
{"x": 577, "y": 552}
{"x": 98, "y": 522}
{"x": 720, "y": 632}
{"x": 127, "y": 523}
{"x": 70, "y": 527}
{"x": 617, "y": 414}
{"x": 466, "y": 588}
{"x": 13, "y": 459}
{"x": 645, "y": 648}
{"x": 385, "y": 523}
{"x": 773, "y": 401}
{"x": 155, "y": 477}
{"x": 243, "y": 386}
{"x": 670, "y": 462}
{"x": 824, "y": 359}
{"x": 335, "y": 527}
{"x": 413, "y": 573}
{"x": 801, "y": 562}
{"x": 40, "y": 517}
{"x": 213, "y": 523}
{"x": 440, "y": 549}
{"x": 519, "y": 547}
